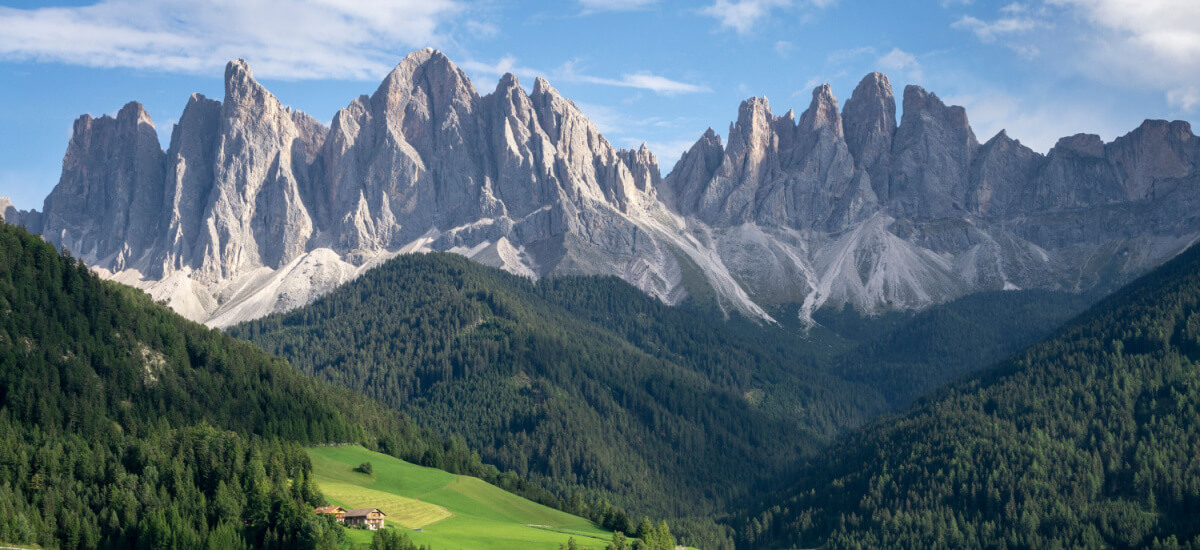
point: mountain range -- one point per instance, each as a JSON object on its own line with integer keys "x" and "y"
{"x": 256, "y": 208}
{"x": 1084, "y": 440}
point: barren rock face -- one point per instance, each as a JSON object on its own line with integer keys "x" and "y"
{"x": 869, "y": 120}
{"x": 931, "y": 156}
{"x": 107, "y": 205}
{"x": 256, "y": 208}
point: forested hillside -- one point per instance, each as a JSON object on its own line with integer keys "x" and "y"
{"x": 123, "y": 425}
{"x": 681, "y": 418}
{"x": 585, "y": 382}
{"x": 1087, "y": 440}
{"x": 904, "y": 355}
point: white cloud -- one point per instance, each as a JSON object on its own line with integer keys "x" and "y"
{"x": 742, "y": 15}
{"x": 1018, "y": 20}
{"x": 901, "y": 61}
{"x": 356, "y": 39}
{"x": 647, "y": 81}
{"x": 783, "y": 48}
{"x": 1186, "y": 98}
{"x": 615, "y": 5}
{"x": 641, "y": 80}
{"x": 1150, "y": 44}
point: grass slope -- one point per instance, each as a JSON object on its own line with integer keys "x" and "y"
{"x": 452, "y": 511}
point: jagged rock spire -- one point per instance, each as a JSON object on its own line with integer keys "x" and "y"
{"x": 869, "y": 119}
{"x": 256, "y": 207}
{"x": 931, "y": 158}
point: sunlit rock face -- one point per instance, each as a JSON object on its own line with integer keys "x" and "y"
{"x": 256, "y": 208}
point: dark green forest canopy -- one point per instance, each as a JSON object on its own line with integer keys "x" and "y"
{"x": 122, "y": 424}
{"x": 1090, "y": 439}
{"x": 121, "y": 421}
{"x": 576, "y": 382}
{"x": 587, "y": 383}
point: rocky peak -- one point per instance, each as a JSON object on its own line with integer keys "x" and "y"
{"x": 692, "y": 172}
{"x": 240, "y": 85}
{"x": 428, "y": 70}
{"x": 261, "y": 208}
{"x": 428, "y": 102}
{"x": 819, "y": 188}
{"x": 931, "y": 157}
{"x": 510, "y": 102}
{"x": 643, "y": 165}
{"x": 1000, "y": 173}
{"x": 869, "y": 119}
{"x": 189, "y": 172}
{"x": 524, "y": 156}
{"x": 822, "y": 113}
{"x": 1150, "y": 159}
{"x": 754, "y": 141}
{"x": 1076, "y": 174}
{"x": 1087, "y": 145}
{"x": 257, "y": 216}
{"x": 557, "y": 114}
{"x": 112, "y": 178}
{"x": 590, "y": 165}
{"x": 508, "y": 84}
{"x": 754, "y": 126}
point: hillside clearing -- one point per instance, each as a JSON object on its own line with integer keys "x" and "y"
{"x": 451, "y": 511}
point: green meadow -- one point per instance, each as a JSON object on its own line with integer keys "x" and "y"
{"x": 450, "y": 511}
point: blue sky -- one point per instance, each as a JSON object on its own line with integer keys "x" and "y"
{"x": 658, "y": 71}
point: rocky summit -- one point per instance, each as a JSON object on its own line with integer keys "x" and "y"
{"x": 256, "y": 208}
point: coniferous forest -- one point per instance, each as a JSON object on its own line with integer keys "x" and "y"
{"x": 124, "y": 425}
{"x": 594, "y": 390}
{"x": 1090, "y": 439}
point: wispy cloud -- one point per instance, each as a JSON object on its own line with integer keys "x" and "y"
{"x": 1016, "y": 19}
{"x": 354, "y": 39}
{"x": 567, "y": 72}
{"x": 742, "y": 15}
{"x": 1152, "y": 43}
{"x": 901, "y": 61}
{"x": 645, "y": 80}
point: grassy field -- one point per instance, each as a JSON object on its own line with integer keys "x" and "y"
{"x": 452, "y": 512}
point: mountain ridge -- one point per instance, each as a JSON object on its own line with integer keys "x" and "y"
{"x": 1085, "y": 439}
{"x": 255, "y": 207}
